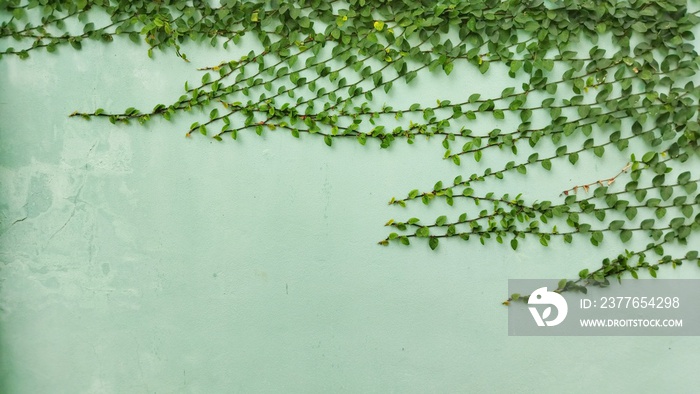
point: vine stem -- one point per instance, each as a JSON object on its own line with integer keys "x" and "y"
{"x": 608, "y": 182}
{"x": 649, "y": 247}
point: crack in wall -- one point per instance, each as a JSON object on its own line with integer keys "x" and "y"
{"x": 12, "y": 224}
{"x": 76, "y": 196}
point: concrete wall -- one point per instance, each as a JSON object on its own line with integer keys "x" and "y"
{"x": 134, "y": 260}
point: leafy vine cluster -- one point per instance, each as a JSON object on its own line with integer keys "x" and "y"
{"x": 321, "y": 63}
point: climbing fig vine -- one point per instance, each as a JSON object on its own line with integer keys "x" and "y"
{"x": 586, "y": 78}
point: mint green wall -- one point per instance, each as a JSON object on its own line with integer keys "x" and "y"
{"x": 134, "y": 260}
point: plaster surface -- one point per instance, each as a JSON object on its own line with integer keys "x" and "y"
{"x": 134, "y": 260}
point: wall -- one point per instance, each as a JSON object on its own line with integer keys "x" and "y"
{"x": 134, "y": 260}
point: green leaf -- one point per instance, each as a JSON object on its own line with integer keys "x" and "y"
{"x": 648, "y": 157}
{"x": 562, "y": 284}
{"x": 660, "y": 212}
{"x": 639, "y": 27}
{"x": 616, "y": 225}
{"x": 666, "y": 192}
{"x": 433, "y": 242}
{"x": 687, "y": 210}
{"x": 597, "y": 236}
{"x": 89, "y": 27}
{"x": 531, "y": 26}
{"x": 647, "y": 224}
{"x": 484, "y": 67}
{"x": 600, "y": 215}
{"x": 573, "y": 157}
{"x": 684, "y": 177}
{"x": 362, "y": 138}
{"x": 625, "y": 235}
{"x": 423, "y": 232}
{"x": 441, "y": 220}
{"x": 448, "y": 67}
